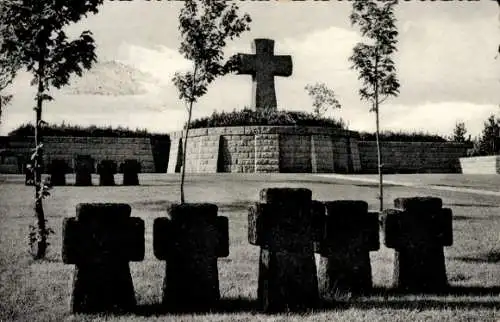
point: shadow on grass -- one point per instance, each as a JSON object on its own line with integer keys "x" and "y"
{"x": 453, "y": 290}
{"x": 471, "y": 205}
{"x": 378, "y": 298}
{"x": 162, "y": 205}
{"x": 239, "y": 205}
{"x": 238, "y": 305}
{"x": 151, "y": 205}
{"x": 474, "y": 218}
{"x": 492, "y": 257}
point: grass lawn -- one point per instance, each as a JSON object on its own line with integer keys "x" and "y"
{"x": 472, "y": 181}
{"x": 39, "y": 291}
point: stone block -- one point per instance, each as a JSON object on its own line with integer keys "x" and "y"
{"x": 84, "y": 167}
{"x": 100, "y": 242}
{"x": 191, "y": 239}
{"x": 282, "y": 225}
{"x": 418, "y": 235}
{"x": 418, "y": 204}
{"x": 348, "y": 234}
{"x": 130, "y": 169}
{"x": 57, "y": 170}
{"x": 106, "y": 170}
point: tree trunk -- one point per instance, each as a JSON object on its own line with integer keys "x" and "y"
{"x": 184, "y": 152}
{"x": 183, "y": 174}
{"x": 40, "y": 245}
{"x": 377, "y": 137}
{"x": 379, "y": 161}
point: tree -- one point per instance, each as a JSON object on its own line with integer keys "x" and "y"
{"x": 490, "y": 138}
{"x": 459, "y": 133}
{"x": 373, "y": 60}
{"x": 323, "y": 98}
{"x": 8, "y": 71}
{"x": 33, "y": 36}
{"x": 205, "y": 27}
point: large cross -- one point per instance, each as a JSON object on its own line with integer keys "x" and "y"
{"x": 263, "y": 66}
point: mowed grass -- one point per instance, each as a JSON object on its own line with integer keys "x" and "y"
{"x": 40, "y": 291}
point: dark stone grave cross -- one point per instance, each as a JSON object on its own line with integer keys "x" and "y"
{"x": 263, "y": 66}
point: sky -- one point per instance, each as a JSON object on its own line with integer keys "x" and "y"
{"x": 446, "y": 63}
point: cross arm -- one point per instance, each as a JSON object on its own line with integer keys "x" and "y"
{"x": 245, "y": 64}
{"x": 283, "y": 66}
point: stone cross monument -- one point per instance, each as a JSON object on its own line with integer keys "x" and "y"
{"x": 263, "y": 66}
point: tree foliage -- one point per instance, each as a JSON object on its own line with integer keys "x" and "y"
{"x": 373, "y": 59}
{"x": 489, "y": 142}
{"x": 205, "y": 27}
{"x": 323, "y": 98}
{"x": 459, "y": 133}
{"x": 33, "y": 37}
{"x": 8, "y": 70}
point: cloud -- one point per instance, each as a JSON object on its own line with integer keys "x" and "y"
{"x": 430, "y": 117}
{"x": 446, "y": 68}
{"x": 110, "y": 78}
{"x": 446, "y": 60}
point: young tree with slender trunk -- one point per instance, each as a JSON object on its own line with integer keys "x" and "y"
{"x": 323, "y": 98}
{"x": 32, "y": 34}
{"x": 205, "y": 27}
{"x": 373, "y": 60}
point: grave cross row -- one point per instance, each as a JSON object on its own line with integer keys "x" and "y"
{"x": 263, "y": 66}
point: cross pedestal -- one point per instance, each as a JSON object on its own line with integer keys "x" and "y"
{"x": 263, "y": 66}
{"x": 100, "y": 242}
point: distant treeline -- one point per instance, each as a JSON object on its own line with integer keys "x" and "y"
{"x": 403, "y": 136}
{"x": 83, "y": 131}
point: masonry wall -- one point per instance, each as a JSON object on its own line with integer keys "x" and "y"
{"x": 99, "y": 148}
{"x": 413, "y": 157}
{"x": 480, "y": 165}
{"x": 264, "y": 149}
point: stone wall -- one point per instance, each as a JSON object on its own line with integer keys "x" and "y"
{"x": 100, "y": 148}
{"x": 413, "y": 157}
{"x": 265, "y": 149}
{"x": 251, "y": 149}
{"x": 481, "y": 165}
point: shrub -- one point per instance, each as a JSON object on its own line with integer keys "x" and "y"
{"x": 80, "y": 131}
{"x": 248, "y": 117}
{"x": 402, "y": 136}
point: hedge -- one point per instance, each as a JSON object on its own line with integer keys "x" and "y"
{"x": 83, "y": 131}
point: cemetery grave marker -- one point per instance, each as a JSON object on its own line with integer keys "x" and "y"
{"x": 100, "y": 242}
{"x": 107, "y": 170}
{"x": 84, "y": 167}
{"x": 130, "y": 169}
{"x": 282, "y": 225}
{"x": 418, "y": 229}
{"x": 191, "y": 239}
{"x": 348, "y": 232}
{"x": 57, "y": 170}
